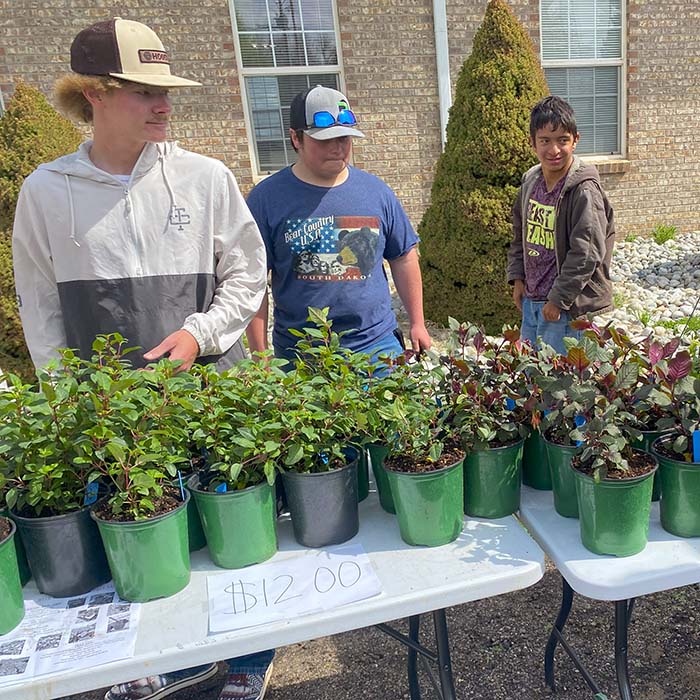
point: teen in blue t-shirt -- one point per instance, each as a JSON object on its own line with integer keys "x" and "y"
{"x": 327, "y": 228}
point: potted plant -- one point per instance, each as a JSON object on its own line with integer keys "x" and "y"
{"x": 394, "y": 378}
{"x": 568, "y": 393}
{"x": 23, "y": 565}
{"x": 637, "y": 360}
{"x": 484, "y": 394}
{"x": 678, "y": 453}
{"x": 138, "y": 439}
{"x": 238, "y": 427}
{"x": 424, "y": 465}
{"x": 322, "y": 416}
{"x": 48, "y": 487}
{"x": 12, "y": 608}
{"x": 613, "y": 482}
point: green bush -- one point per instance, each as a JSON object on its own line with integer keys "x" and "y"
{"x": 662, "y": 233}
{"x": 466, "y": 230}
{"x": 31, "y": 132}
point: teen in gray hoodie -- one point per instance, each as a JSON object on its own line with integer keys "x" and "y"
{"x": 563, "y": 232}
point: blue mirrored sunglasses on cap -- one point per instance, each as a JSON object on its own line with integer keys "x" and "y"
{"x": 345, "y": 118}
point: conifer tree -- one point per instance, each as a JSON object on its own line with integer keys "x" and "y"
{"x": 31, "y": 132}
{"x": 466, "y": 230}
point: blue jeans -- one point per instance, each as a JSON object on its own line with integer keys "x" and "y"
{"x": 250, "y": 663}
{"x": 535, "y": 329}
{"x": 386, "y": 346}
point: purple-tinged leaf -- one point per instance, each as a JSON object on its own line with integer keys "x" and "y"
{"x": 679, "y": 366}
{"x": 671, "y": 347}
{"x": 656, "y": 352}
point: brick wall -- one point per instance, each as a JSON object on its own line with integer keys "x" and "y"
{"x": 35, "y": 42}
{"x": 662, "y": 182}
{"x": 388, "y": 51}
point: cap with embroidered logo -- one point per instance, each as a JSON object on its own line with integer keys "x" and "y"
{"x": 323, "y": 113}
{"x": 125, "y": 49}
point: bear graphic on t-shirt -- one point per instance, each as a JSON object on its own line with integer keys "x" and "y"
{"x": 358, "y": 248}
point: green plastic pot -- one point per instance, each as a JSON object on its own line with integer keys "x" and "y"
{"x": 680, "y": 493}
{"x": 563, "y": 481}
{"x": 535, "y": 465}
{"x": 25, "y": 572}
{"x": 614, "y": 514}
{"x": 646, "y": 440}
{"x": 150, "y": 558}
{"x": 12, "y": 605}
{"x": 429, "y": 504}
{"x": 196, "y": 539}
{"x": 239, "y": 525}
{"x": 377, "y": 455}
{"x": 492, "y": 481}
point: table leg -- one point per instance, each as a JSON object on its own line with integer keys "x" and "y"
{"x": 444, "y": 683}
{"x": 566, "y": 602}
{"x": 413, "y": 635}
{"x": 444, "y": 662}
{"x": 623, "y": 612}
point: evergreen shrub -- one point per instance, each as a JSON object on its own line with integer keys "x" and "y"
{"x": 31, "y": 132}
{"x": 466, "y": 230}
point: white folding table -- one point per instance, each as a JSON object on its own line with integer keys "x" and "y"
{"x": 666, "y": 562}
{"x": 490, "y": 557}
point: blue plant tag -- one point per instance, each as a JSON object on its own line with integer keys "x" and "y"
{"x": 182, "y": 487}
{"x": 510, "y": 404}
{"x": 221, "y": 488}
{"x": 91, "y": 493}
{"x": 324, "y": 457}
{"x": 578, "y": 422}
{"x": 696, "y": 446}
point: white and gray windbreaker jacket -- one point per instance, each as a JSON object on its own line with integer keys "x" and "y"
{"x": 174, "y": 248}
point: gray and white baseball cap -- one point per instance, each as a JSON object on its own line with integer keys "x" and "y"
{"x": 323, "y": 113}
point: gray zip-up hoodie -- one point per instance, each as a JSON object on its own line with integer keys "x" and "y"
{"x": 175, "y": 247}
{"x": 584, "y": 239}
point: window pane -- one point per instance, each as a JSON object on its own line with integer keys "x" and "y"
{"x": 317, "y": 14}
{"x": 594, "y": 94}
{"x": 256, "y": 50}
{"x": 580, "y": 29}
{"x": 289, "y": 49}
{"x": 251, "y": 15}
{"x": 269, "y": 98}
{"x": 285, "y": 15}
{"x": 320, "y": 48}
{"x": 274, "y": 33}
{"x": 272, "y": 155}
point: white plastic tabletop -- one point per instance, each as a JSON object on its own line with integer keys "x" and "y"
{"x": 490, "y": 557}
{"x": 666, "y": 562}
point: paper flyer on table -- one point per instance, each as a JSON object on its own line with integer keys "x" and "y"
{"x": 314, "y": 581}
{"x": 61, "y": 634}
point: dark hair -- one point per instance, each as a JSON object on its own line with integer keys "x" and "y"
{"x": 555, "y": 112}
{"x": 300, "y": 135}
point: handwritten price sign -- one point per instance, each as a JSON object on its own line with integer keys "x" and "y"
{"x": 312, "y": 582}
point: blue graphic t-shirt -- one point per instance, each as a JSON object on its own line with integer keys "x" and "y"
{"x": 540, "y": 257}
{"x": 325, "y": 247}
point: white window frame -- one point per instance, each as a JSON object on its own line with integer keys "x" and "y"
{"x": 598, "y": 62}
{"x": 243, "y": 73}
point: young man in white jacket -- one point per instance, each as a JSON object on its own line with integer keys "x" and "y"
{"x": 136, "y": 235}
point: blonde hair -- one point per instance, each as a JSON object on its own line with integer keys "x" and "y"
{"x": 69, "y": 97}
